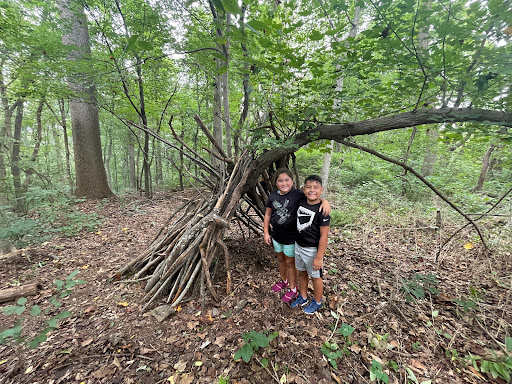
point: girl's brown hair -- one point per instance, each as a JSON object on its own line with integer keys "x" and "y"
{"x": 280, "y": 171}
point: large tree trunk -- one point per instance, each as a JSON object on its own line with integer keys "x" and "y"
{"x": 337, "y": 105}
{"x": 15, "y": 158}
{"x": 91, "y": 178}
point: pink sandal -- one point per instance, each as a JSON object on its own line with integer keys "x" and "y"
{"x": 279, "y": 285}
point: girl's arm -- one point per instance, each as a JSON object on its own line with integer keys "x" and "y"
{"x": 266, "y": 226}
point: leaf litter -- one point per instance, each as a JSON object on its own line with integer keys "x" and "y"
{"x": 107, "y": 339}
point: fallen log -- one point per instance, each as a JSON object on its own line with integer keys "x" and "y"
{"x": 9, "y": 294}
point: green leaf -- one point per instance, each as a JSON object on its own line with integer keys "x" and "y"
{"x": 316, "y": 36}
{"x": 72, "y": 275}
{"x": 129, "y": 46}
{"x": 232, "y": 7}
{"x": 246, "y": 352}
{"x": 508, "y": 343}
{"x": 35, "y": 310}
{"x": 59, "y": 284}
{"x": 62, "y": 315}
{"x": 218, "y": 5}
{"x": 38, "y": 340}
{"x": 264, "y": 362}
{"x": 22, "y": 301}
{"x": 258, "y": 25}
{"x": 145, "y": 45}
{"x": 346, "y": 330}
{"x": 13, "y": 310}
{"x": 259, "y": 339}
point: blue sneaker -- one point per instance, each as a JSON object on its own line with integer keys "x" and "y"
{"x": 312, "y": 307}
{"x": 299, "y": 302}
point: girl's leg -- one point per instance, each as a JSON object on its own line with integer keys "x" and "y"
{"x": 283, "y": 269}
{"x": 291, "y": 272}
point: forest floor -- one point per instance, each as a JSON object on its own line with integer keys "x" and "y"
{"x": 108, "y": 339}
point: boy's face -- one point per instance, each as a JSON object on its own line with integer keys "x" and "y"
{"x": 313, "y": 190}
{"x": 284, "y": 183}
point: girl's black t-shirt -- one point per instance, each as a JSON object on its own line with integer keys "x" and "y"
{"x": 284, "y": 215}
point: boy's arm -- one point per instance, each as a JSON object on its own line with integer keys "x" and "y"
{"x": 325, "y": 207}
{"x": 322, "y": 247}
{"x": 266, "y": 226}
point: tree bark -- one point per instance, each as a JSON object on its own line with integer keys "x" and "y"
{"x": 9, "y": 294}
{"x": 485, "y": 166}
{"x": 15, "y": 158}
{"x": 91, "y": 178}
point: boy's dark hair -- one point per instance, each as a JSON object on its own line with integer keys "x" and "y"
{"x": 280, "y": 171}
{"x": 313, "y": 178}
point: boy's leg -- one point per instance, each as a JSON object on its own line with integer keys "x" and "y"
{"x": 303, "y": 284}
{"x": 318, "y": 289}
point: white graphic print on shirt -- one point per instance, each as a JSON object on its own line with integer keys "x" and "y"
{"x": 282, "y": 211}
{"x": 303, "y": 223}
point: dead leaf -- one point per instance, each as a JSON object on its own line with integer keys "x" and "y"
{"x": 192, "y": 324}
{"x": 117, "y": 363}
{"x": 220, "y": 341}
{"x": 333, "y": 375}
{"x": 468, "y": 245}
{"x": 394, "y": 343}
{"x": 29, "y": 370}
{"x": 475, "y": 372}
{"x": 85, "y": 343}
{"x": 416, "y": 364}
{"x": 355, "y": 348}
{"x": 186, "y": 378}
{"x": 180, "y": 366}
{"x": 312, "y": 331}
{"x": 123, "y": 304}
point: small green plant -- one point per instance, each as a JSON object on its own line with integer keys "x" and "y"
{"x": 377, "y": 373}
{"x": 253, "y": 341}
{"x": 497, "y": 366}
{"x": 333, "y": 351}
{"x": 416, "y": 346}
{"x": 223, "y": 380}
{"x": 64, "y": 288}
{"x": 416, "y": 287}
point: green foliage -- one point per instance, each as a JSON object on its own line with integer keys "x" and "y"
{"x": 64, "y": 288}
{"x": 55, "y": 214}
{"x": 253, "y": 341}
{"x": 377, "y": 373}
{"x": 416, "y": 287}
{"x": 334, "y": 351}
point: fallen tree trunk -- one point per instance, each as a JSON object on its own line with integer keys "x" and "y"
{"x": 9, "y": 294}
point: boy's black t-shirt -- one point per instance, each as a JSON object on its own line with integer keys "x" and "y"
{"x": 309, "y": 221}
{"x": 283, "y": 217}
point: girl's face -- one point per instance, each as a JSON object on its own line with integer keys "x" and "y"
{"x": 284, "y": 183}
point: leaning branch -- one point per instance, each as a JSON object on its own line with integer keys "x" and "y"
{"x": 423, "y": 180}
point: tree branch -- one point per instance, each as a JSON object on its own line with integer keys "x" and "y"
{"x": 423, "y": 180}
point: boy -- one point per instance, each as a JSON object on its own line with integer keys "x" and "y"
{"x": 311, "y": 244}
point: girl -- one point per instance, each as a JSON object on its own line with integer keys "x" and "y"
{"x": 281, "y": 212}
